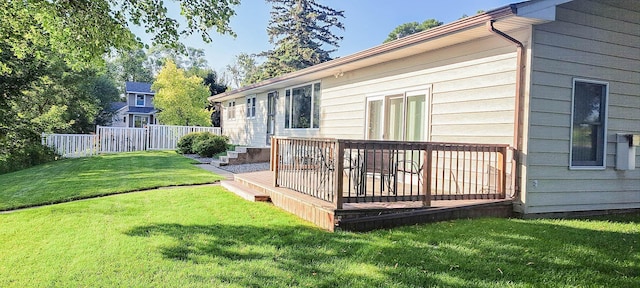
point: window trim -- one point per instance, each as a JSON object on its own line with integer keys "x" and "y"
{"x": 604, "y": 124}
{"x": 231, "y": 110}
{"x": 385, "y": 96}
{"x": 251, "y": 107}
{"x": 144, "y": 100}
{"x": 290, "y": 114}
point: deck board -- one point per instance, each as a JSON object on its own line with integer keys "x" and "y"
{"x": 324, "y": 214}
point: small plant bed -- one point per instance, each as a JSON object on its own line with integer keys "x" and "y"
{"x": 72, "y": 179}
{"x": 208, "y": 237}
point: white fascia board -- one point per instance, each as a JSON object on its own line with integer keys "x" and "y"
{"x": 543, "y": 10}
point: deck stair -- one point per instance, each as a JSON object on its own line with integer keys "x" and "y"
{"x": 245, "y": 191}
{"x": 243, "y": 155}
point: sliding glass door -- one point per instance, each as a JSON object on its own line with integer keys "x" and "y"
{"x": 397, "y": 117}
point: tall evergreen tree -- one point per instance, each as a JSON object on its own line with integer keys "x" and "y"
{"x": 300, "y": 30}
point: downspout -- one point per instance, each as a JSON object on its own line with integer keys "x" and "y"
{"x": 517, "y": 144}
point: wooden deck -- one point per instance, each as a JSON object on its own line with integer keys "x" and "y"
{"x": 371, "y": 215}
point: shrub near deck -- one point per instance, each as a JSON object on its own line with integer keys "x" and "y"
{"x": 79, "y": 178}
{"x": 208, "y": 237}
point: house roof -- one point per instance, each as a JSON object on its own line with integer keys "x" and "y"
{"x": 506, "y": 18}
{"x": 141, "y": 110}
{"x": 115, "y": 106}
{"x": 138, "y": 87}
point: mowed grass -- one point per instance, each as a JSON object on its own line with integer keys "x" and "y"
{"x": 72, "y": 179}
{"x": 208, "y": 237}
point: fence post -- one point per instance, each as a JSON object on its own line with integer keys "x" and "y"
{"x": 426, "y": 175}
{"x": 339, "y": 180}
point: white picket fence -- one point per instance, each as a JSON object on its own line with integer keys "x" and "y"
{"x": 71, "y": 145}
{"x": 121, "y": 139}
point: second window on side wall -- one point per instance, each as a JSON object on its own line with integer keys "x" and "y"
{"x": 302, "y": 107}
{"x": 251, "y": 107}
{"x": 588, "y": 127}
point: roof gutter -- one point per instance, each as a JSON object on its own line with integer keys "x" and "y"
{"x": 517, "y": 143}
{"x": 433, "y": 33}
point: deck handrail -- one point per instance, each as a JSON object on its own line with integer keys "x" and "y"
{"x": 353, "y": 171}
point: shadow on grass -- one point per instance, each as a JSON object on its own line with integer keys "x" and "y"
{"x": 480, "y": 253}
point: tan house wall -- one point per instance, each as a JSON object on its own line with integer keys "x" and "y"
{"x": 590, "y": 40}
{"x": 246, "y": 131}
{"x": 472, "y": 88}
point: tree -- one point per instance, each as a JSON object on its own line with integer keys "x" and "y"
{"x": 51, "y": 50}
{"x": 299, "y": 30}
{"x": 407, "y": 29}
{"x": 215, "y": 84}
{"x": 243, "y": 70}
{"x": 85, "y": 30}
{"x": 130, "y": 66}
{"x": 181, "y": 100}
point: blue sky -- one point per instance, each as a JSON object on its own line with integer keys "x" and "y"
{"x": 367, "y": 23}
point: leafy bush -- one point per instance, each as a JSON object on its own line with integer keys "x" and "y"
{"x": 205, "y": 144}
{"x": 31, "y": 154}
{"x": 209, "y": 145}
{"x": 185, "y": 144}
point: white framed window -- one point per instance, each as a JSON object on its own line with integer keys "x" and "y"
{"x": 302, "y": 107}
{"x": 140, "y": 121}
{"x": 231, "y": 110}
{"x": 398, "y": 116}
{"x": 251, "y": 107}
{"x": 140, "y": 100}
{"x": 589, "y": 124}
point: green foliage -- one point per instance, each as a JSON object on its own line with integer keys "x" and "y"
{"x": 30, "y": 153}
{"x": 407, "y": 29}
{"x": 80, "y": 178}
{"x": 299, "y": 30}
{"x": 205, "y": 144}
{"x": 209, "y": 145}
{"x": 130, "y": 66}
{"x": 185, "y": 144}
{"x": 243, "y": 70}
{"x": 181, "y": 100}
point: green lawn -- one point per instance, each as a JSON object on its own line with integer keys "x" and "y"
{"x": 71, "y": 179}
{"x": 207, "y": 237}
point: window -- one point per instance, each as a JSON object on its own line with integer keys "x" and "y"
{"x": 140, "y": 121}
{"x": 231, "y": 110}
{"x": 397, "y": 117}
{"x": 302, "y": 107}
{"x": 139, "y": 100}
{"x": 124, "y": 119}
{"x": 588, "y": 125}
{"x": 251, "y": 107}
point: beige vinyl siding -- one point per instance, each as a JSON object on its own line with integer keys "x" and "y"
{"x": 471, "y": 85}
{"x": 246, "y": 131}
{"x": 590, "y": 40}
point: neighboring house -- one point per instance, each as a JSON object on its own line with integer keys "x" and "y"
{"x": 119, "y": 114}
{"x": 556, "y": 79}
{"x": 138, "y": 110}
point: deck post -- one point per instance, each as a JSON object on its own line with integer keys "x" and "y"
{"x": 274, "y": 160}
{"x": 502, "y": 163}
{"x": 339, "y": 179}
{"x": 426, "y": 175}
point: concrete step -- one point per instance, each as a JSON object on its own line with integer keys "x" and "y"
{"x": 241, "y": 149}
{"x": 219, "y": 162}
{"x": 244, "y": 191}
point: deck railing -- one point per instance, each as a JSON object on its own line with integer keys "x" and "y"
{"x": 357, "y": 171}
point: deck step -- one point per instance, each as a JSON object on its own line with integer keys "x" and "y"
{"x": 245, "y": 192}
